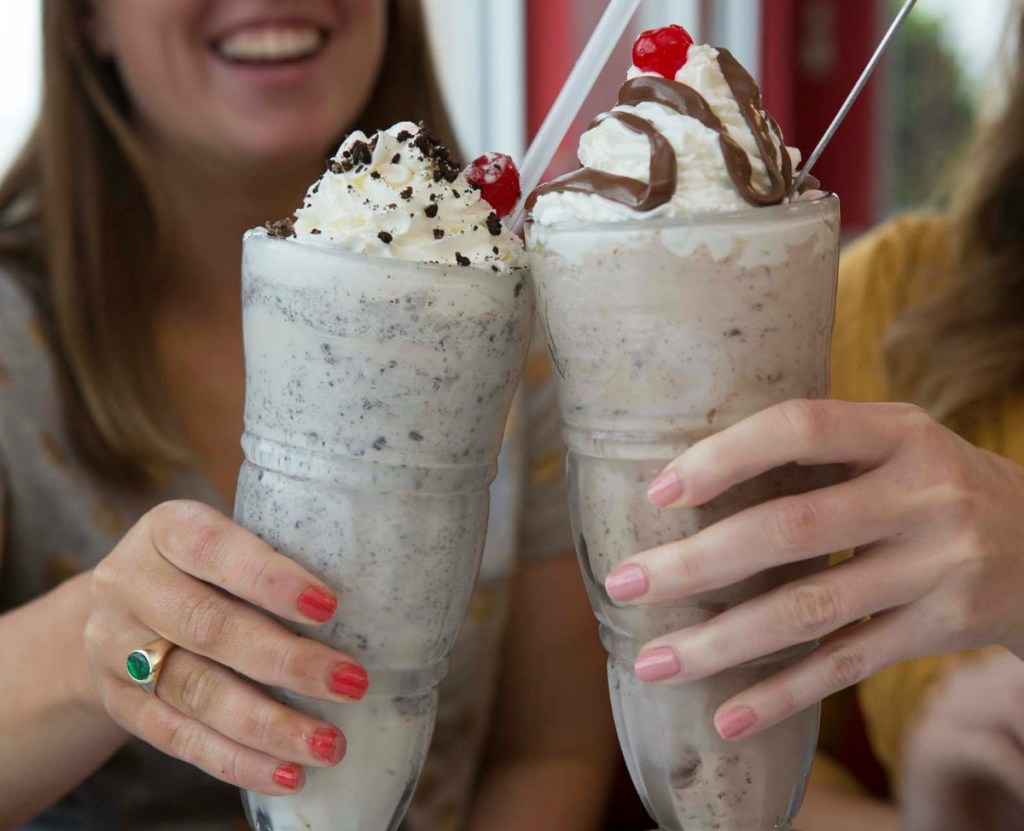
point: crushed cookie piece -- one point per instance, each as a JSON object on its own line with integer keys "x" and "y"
{"x": 406, "y": 194}
{"x": 315, "y": 232}
{"x": 385, "y": 237}
{"x": 396, "y": 158}
{"x": 438, "y": 233}
{"x": 494, "y": 226}
{"x": 375, "y": 175}
{"x": 404, "y": 136}
{"x": 463, "y": 261}
{"x": 280, "y": 228}
{"x": 431, "y": 211}
{"x": 361, "y": 153}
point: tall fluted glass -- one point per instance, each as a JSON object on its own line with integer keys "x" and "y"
{"x": 663, "y": 333}
{"x": 377, "y": 392}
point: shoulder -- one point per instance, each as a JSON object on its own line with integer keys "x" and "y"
{"x": 881, "y": 275}
{"x": 26, "y": 367}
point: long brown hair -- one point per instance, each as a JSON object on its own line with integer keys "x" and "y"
{"x": 81, "y": 226}
{"x": 966, "y": 347}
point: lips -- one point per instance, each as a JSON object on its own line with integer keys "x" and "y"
{"x": 271, "y": 43}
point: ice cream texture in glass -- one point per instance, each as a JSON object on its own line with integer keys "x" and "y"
{"x": 385, "y": 328}
{"x": 681, "y": 290}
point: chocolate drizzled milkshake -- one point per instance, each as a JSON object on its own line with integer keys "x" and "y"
{"x": 679, "y": 295}
{"x": 385, "y": 332}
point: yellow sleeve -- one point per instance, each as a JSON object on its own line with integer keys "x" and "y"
{"x": 880, "y": 275}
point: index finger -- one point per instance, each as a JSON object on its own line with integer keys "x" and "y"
{"x": 800, "y": 432}
{"x": 205, "y": 544}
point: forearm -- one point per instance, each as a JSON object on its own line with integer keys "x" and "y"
{"x": 553, "y": 794}
{"x": 54, "y": 731}
{"x": 829, "y": 807}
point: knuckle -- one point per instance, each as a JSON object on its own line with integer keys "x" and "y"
{"x": 199, "y": 689}
{"x": 206, "y": 621}
{"x": 810, "y": 610}
{"x": 792, "y": 523}
{"x": 288, "y": 662}
{"x": 807, "y": 420}
{"x": 232, "y": 767}
{"x": 264, "y": 725}
{"x": 194, "y": 527}
{"x": 844, "y": 666}
{"x": 185, "y": 740}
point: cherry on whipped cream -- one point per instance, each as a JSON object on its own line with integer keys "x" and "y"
{"x": 662, "y": 50}
{"x": 497, "y": 177}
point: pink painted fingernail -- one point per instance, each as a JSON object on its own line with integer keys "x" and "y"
{"x": 350, "y": 681}
{"x": 666, "y": 489}
{"x": 735, "y": 723}
{"x": 626, "y": 583}
{"x": 288, "y": 776}
{"x": 657, "y": 665}
{"x": 328, "y": 744}
{"x": 317, "y": 604}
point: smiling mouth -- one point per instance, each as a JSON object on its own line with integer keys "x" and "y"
{"x": 271, "y": 44}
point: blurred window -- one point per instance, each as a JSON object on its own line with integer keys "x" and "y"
{"x": 21, "y": 70}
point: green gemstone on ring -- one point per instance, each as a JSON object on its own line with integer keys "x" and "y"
{"x": 138, "y": 666}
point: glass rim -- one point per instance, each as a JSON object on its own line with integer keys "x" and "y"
{"x": 751, "y": 215}
{"x": 262, "y": 235}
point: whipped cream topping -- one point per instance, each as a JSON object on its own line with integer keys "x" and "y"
{"x": 399, "y": 194}
{"x": 703, "y": 178}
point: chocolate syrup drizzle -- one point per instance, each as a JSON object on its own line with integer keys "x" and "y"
{"x": 664, "y": 176}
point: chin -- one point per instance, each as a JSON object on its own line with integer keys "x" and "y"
{"x": 285, "y": 141}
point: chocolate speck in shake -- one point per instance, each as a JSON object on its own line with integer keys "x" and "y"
{"x": 494, "y": 226}
{"x": 386, "y": 238}
{"x": 406, "y": 194}
{"x": 361, "y": 153}
{"x": 280, "y": 228}
{"x": 396, "y": 158}
{"x": 415, "y": 435}
{"x": 431, "y": 210}
{"x": 461, "y": 260}
{"x": 438, "y": 233}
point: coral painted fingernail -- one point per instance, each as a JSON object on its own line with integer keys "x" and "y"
{"x": 735, "y": 723}
{"x": 657, "y": 665}
{"x": 350, "y": 681}
{"x": 626, "y": 583}
{"x": 288, "y": 776}
{"x": 317, "y": 604}
{"x": 666, "y": 489}
{"x": 328, "y": 744}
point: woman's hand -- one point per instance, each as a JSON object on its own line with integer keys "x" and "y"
{"x": 187, "y": 574}
{"x": 964, "y": 763}
{"x": 937, "y": 523}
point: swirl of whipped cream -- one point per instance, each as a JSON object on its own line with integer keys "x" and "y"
{"x": 399, "y": 194}
{"x": 703, "y": 178}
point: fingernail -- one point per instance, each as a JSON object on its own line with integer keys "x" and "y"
{"x": 288, "y": 776}
{"x": 328, "y": 744}
{"x": 735, "y": 723}
{"x": 350, "y": 681}
{"x": 657, "y": 665}
{"x": 666, "y": 489}
{"x": 626, "y": 583}
{"x": 317, "y": 604}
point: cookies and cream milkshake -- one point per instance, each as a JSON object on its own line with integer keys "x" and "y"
{"x": 680, "y": 291}
{"x": 385, "y": 333}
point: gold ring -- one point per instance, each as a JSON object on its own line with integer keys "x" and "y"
{"x": 144, "y": 664}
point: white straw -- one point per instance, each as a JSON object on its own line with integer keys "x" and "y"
{"x": 572, "y": 97}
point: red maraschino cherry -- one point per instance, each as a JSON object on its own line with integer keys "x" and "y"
{"x": 662, "y": 50}
{"x": 498, "y": 179}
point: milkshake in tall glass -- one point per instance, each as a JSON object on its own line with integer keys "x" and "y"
{"x": 680, "y": 292}
{"x": 385, "y": 333}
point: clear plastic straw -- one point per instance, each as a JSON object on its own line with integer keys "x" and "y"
{"x": 567, "y": 106}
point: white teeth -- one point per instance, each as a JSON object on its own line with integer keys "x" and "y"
{"x": 271, "y": 43}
